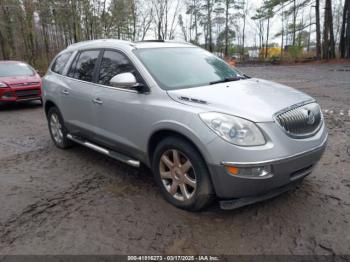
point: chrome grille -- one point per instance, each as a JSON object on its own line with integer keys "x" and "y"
{"x": 301, "y": 121}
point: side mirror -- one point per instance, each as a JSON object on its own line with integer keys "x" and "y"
{"x": 123, "y": 80}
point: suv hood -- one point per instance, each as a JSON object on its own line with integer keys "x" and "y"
{"x": 254, "y": 99}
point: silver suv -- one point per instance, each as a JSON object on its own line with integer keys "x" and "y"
{"x": 206, "y": 130}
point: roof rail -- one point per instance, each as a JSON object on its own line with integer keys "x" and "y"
{"x": 179, "y": 42}
{"x": 86, "y": 42}
{"x": 154, "y": 40}
{"x": 81, "y": 42}
{"x": 164, "y": 41}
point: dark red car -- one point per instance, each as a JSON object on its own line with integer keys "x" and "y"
{"x": 18, "y": 82}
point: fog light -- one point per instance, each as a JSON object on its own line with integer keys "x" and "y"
{"x": 7, "y": 95}
{"x": 252, "y": 172}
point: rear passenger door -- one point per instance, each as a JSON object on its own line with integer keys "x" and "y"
{"x": 78, "y": 96}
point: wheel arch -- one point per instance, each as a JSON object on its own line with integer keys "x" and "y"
{"x": 49, "y": 104}
{"x": 161, "y": 134}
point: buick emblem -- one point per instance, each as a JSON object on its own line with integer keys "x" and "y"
{"x": 310, "y": 117}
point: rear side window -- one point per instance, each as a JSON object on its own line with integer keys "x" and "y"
{"x": 84, "y": 65}
{"x": 60, "y": 63}
{"x": 114, "y": 63}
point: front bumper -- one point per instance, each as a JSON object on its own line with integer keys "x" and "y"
{"x": 240, "y": 202}
{"x": 286, "y": 171}
{"x": 20, "y": 94}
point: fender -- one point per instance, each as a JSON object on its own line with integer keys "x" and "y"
{"x": 187, "y": 132}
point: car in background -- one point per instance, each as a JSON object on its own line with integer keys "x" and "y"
{"x": 18, "y": 82}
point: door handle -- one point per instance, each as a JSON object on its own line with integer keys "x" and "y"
{"x": 65, "y": 92}
{"x": 97, "y": 101}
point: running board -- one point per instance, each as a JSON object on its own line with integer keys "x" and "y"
{"x": 107, "y": 152}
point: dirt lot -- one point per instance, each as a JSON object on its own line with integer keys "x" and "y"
{"x": 80, "y": 202}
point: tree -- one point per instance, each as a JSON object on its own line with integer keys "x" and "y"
{"x": 245, "y": 9}
{"x": 145, "y": 12}
{"x": 259, "y": 17}
{"x": 262, "y": 14}
{"x": 194, "y": 11}
{"x": 166, "y": 15}
{"x": 36, "y": 30}
{"x": 221, "y": 39}
{"x": 328, "y": 35}
{"x": 228, "y": 4}
{"x": 268, "y": 16}
{"x": 338, "y": 9}
{"x": 183, "y": 28}
{"x": 344, "y": 45}
{"x": 122, "y": 19}
{"x": 208, "y": 6}
{"x": 6, "y": 30}
{"x": 318, "y": 30}
{"x": 282, "y": 30}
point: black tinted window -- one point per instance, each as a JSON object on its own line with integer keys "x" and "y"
{"x": 84, "y": 65}
{"x": 60, "y": 63}
{"x": 73, "y": 66}
{"x": 114, "y": 63}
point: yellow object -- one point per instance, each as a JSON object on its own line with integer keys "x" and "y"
{"x": 271, "y": 52}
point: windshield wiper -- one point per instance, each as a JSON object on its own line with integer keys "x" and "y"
{"x": 225, "y": 80}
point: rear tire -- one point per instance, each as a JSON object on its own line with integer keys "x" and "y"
{"x": 182, "y": 174}
{"x": 57, "y": 129}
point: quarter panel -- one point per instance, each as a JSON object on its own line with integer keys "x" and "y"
{"x": 52, "y": 86}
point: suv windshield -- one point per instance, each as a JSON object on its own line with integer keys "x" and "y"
{"x": 15, "y": 69}
{"x": 181, "y": 67}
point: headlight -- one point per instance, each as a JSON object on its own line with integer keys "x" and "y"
{"x": 2, "y": 85}
{"x": 233, "y": 129}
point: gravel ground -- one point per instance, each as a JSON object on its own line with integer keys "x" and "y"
{"x": 81, "y": 202}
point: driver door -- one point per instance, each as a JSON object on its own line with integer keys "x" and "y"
{"x": 119, "y": 113}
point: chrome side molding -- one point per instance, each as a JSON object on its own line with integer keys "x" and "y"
{"x": 118, "y": 156}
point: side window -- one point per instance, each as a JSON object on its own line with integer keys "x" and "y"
{"x": 73, "y": 66}
{"x": 114, "y": 63}
{"x": 83, "y": 65}
{"x": 60, "y": 63}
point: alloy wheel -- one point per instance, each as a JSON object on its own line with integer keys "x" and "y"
{"x": 56, "y": 128}
{"x": 178, "y": 175}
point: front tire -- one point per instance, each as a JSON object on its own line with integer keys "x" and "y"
{"x": 57, "y": 129}
{"x": 181, "y": 174}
